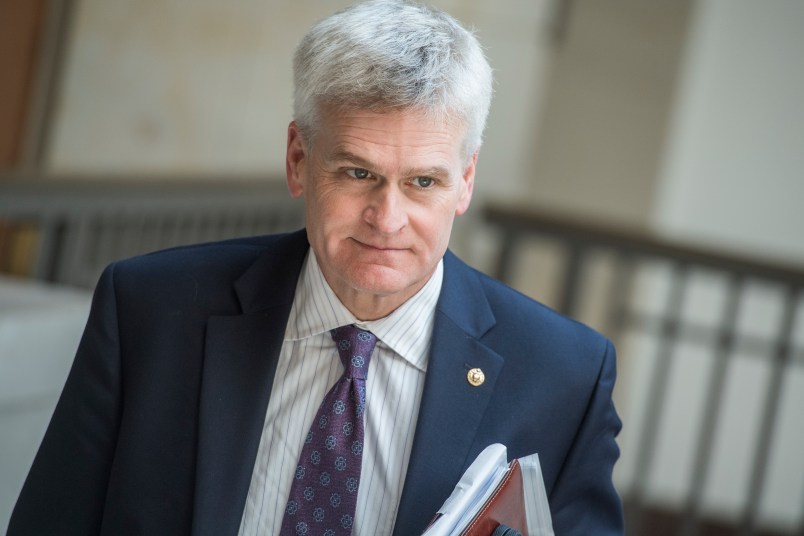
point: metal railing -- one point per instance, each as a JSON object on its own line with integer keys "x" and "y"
{"x": 79, "y": 226}
{"x": 714, "y": 349}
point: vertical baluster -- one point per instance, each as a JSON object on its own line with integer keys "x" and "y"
{"x": 213, "y": 224}
{"x": 571, "y": 283}
{"x": 127, "y": 243}
{"x": 780, "y": 361}
{"x": 106, "y": 238}
{"x": 179, "y": 232}
{"x": 619, "y": 296}
{"x": 195, "y": 232}
{"x": 153, "y": 225}
{"x": 73, "y": 253}
{"x": 505, "y": 259}
{"x": 658, "y": 388}
{"x": 51, "y": 240}
{"x": 711, "y": 408}
{"x": 229, "y": 222}
{"x": 139, "y": 231}
{"x": 800, "y": 530}
{"x": 252, "y": 223}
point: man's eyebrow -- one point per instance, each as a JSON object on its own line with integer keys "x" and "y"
{"x": 343, "y": 155}
{"x": 434, "y": 172}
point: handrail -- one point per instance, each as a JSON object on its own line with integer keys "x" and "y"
{"x": 517, "y": 219}
{"x": 20, "y": 194}
{"x": 75, "y": 225}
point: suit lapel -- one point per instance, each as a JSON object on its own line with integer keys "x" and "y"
{"x": 239, "y": 365}
{"x": 451, "y": 408}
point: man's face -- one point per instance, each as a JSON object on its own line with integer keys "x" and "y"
{"x": 380, "y": 192}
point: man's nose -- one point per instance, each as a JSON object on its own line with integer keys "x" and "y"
{"x": 386, "y": 210}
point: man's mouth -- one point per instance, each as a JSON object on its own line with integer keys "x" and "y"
{"x": 379, "y": 247}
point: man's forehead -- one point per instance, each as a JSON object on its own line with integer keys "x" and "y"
{"x": 410, "y": 118}
{"x": 411, "y": 128}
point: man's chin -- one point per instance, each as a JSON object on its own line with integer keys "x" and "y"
{"x": 382, "y": 281}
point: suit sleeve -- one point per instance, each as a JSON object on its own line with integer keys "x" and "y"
{"x": 584, "y": 500}
{"x": 65, "y": 490}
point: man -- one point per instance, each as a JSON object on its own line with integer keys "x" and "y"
{"x": 203, "y": 368}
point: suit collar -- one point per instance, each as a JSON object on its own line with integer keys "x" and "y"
{"x": 451, "y": 409}
{"x": 463, "y": 299}
{"x": 271, "y": 279}
{"x": 239, "y": 364}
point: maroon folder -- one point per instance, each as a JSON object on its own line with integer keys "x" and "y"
{"x": 506, "y": 506}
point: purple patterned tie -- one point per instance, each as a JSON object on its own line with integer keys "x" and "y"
{"x": 323, "y": 496}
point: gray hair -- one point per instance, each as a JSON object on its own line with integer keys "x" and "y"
{"x": 393, "y": 54}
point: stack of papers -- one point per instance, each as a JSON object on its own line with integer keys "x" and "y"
{"x": 477, "y": 487}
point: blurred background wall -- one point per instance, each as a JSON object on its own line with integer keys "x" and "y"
{"x": 680, "y": 122}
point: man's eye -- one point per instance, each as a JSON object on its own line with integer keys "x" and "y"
{"x": 423, "y": 182}
{"x": 358, "y": 173}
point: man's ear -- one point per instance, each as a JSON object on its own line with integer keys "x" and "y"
{"x": 295, "y": 160}
{"x": 467, "y": 186}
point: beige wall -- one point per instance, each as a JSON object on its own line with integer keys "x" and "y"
{"x": 204, "y": 86}
{"x": 187, "y": 86}
{"x": 612, "y": 85}
{"x": 733, "y": 172}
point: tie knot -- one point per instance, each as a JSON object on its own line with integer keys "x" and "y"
{"x": 354, "y": 347}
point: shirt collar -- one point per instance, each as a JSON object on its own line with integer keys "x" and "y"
{"x": 407, "y": 330}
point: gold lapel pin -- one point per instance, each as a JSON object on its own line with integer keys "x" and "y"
{"x": 476, "y": 377}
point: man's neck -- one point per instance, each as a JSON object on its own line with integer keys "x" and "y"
{"x": 367, "y": 307}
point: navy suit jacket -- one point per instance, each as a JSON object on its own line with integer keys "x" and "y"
{"x": 157, "y": 429}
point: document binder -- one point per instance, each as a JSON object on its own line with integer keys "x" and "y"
{"x": 490, "y": 494}
{"x": 506, "y": 506}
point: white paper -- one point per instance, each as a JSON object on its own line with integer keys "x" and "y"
{"x": 537, "y": 508}
{"x": 476, "y": 484}
{"x": 479, "y": 482}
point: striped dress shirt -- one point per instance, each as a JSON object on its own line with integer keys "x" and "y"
{"x": 308, "y": 367}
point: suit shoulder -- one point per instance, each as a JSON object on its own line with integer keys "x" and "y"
{"x": 232, "y": 255}
{"x": 201, "y": 271}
